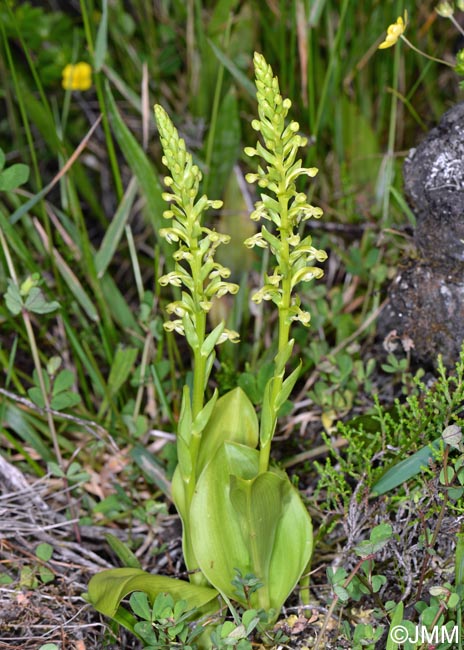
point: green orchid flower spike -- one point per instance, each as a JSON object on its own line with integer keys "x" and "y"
{"x": 240, "y": 515}
{"x": 286, "y": 208}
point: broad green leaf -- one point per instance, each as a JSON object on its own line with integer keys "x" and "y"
{"x": 107, "y": 589}
{"x": 256, "y": 523}
{"x": 121, "y": 368}
{"x": 233, "y": 419}
{"x": 405, "y": 469}
{"x": 2, "y": 159}
{"x": 141, "y": 167}
{"x": 293, "y": 546}
{"x": 258, "y": 504}
{"x": 115, "y": 230}
{"x": 123, "y": 552}
{"x": 101, "y": 42}
{"x": 217, "y": 538}
{"x": 14, "y": 176}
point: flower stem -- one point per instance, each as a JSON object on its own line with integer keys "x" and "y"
{"x": 427, "y": 56}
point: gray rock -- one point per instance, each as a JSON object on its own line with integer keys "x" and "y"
{"x": 426, "y": 306}
{"x": 434, "y": 185}
{"x": 426, "y": 299}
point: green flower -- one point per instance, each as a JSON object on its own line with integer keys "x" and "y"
{"x": 281, "y": 203}
{"x": 195, "y": 269}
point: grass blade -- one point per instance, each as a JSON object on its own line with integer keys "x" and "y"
{"x": 116, "y": 228}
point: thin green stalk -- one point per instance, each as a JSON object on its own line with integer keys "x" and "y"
{"x": 285, "y": 267}
{"x": 424, "y": 54}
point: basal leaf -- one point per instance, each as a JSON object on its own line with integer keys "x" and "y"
{"x": 107, "y": 589}
{"x": 255, "y": 522}
{"x": 233, "y": 419}
{"x": 217, "y": 537}
{"x": 293, "y": 546}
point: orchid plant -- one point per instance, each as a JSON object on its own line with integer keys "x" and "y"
{"x": 240, "y": 514}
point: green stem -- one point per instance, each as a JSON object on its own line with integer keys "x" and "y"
{"x": 284, "y": 321}
{"x": 284, "y": 307}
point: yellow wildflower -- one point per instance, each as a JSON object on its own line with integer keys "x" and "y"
{"x": 77, "y": 77}
{"x": 394, "y": 32}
